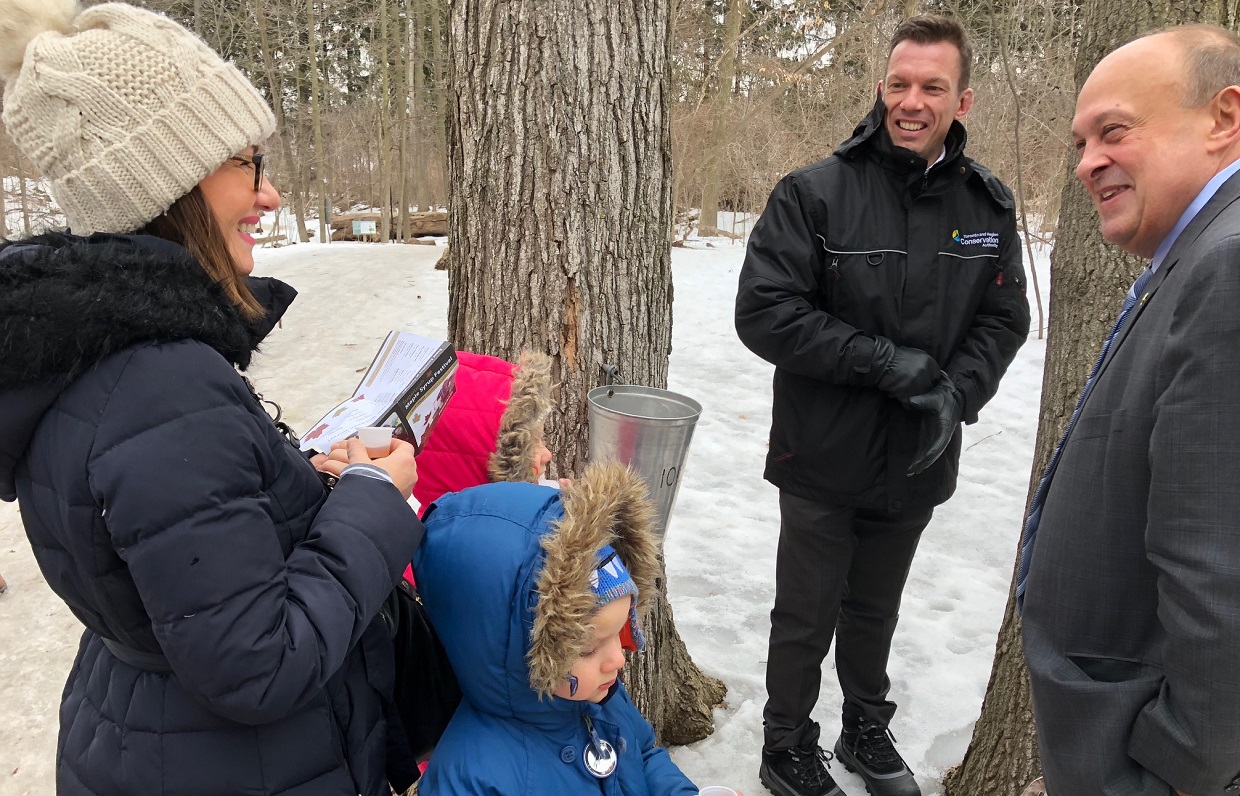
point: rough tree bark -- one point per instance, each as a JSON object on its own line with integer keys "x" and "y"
{"x": 1089, "y": 280}
{"x": 560, "y": 232}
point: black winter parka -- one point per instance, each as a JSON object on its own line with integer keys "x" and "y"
{"x": 192, "y": 539}
{"x": 865, "y": 243}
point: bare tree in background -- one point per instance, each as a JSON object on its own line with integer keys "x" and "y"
{"x": 708, "y": 221}
{"x": 758, "y": 88}
{"x": 10, "y": 155}
{"x": 316, "y": 120}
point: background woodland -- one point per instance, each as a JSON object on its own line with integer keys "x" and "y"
{"x": 759, "y": 87}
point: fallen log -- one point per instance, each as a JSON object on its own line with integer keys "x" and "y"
{"x": 430, "y": 222}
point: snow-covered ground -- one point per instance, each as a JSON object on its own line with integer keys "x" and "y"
{"x": 721, "y": 543}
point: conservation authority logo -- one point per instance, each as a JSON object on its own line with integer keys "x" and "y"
{"x": 987, "y": 240}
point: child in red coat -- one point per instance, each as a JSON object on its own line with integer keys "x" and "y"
{"x": 491, "y": 430}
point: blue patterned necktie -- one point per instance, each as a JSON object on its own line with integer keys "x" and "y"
{"x": 1039, "y": 497}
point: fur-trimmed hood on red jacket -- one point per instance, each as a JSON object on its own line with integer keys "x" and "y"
{"x": 492, "y": 427}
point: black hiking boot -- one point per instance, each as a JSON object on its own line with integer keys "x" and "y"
{"x": 868, "y": 749}
{"x": 799, "y": 771}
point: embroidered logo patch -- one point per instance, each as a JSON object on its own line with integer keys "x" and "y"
{"x": 988, "y": 240}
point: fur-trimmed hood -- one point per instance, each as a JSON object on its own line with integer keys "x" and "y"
{"x": 68, "y": 302}
{"x": 504, "y": 571}
{"x": 491, "y": 429}
{"x": 608, "y": 505}
{"x": 521, "y": 425}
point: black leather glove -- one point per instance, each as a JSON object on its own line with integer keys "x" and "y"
{"x": 902, "y": 372}
{"x": 943, "y": 405}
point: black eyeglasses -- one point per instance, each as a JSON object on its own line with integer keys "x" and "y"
{"x": 257, "y": 162}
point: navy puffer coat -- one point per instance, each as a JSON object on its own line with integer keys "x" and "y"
{"x": 230, "y": 603}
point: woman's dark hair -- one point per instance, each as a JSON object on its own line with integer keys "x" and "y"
{"x": 190, "y": 223}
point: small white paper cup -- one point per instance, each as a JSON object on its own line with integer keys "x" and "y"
{"x": 716, "y": 790}
{"x": 377, "y": 439}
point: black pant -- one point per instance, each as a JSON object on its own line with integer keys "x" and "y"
{"x": 839, "y": 571}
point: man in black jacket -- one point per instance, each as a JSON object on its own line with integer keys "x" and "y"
{"x": 885, "y": 284}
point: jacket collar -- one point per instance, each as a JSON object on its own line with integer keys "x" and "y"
{"x": 1227, "y": 194}
{"x": 68, "y": 302}
{"x": 275, "y": 297}
{"x": 870, "y": 136}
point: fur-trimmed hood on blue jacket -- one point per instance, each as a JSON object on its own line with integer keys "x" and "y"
{"x": 505, "y": 571}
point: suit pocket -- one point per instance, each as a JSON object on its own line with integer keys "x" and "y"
{"x": 1086, "y": 706}
{"x": 1092, "y": 425}
{"x": 1113, "y": 670}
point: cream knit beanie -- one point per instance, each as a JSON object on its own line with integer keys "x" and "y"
{"x": 121, "y": 109}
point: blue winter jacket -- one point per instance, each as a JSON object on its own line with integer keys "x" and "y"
{"x": 490, "y": 557}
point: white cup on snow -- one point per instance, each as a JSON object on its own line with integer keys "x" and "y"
{"x": 716, "y": 790}
{"x": 377, "y": 439}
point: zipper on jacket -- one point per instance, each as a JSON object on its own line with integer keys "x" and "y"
{"x": 833, "y": 272}
{"x": 605, "y": 758}
{"x": 594, "y": 739}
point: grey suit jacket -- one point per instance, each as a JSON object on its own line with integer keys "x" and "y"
{"x": 1132, "y": 607}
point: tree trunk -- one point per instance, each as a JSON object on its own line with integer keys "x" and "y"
{"x": 404, "y": 59}
{"x": 25, "y": 198}
{"x": 417, "y": 102}
{"x": 1087, "y": 289}
{"x": 560, "y": 230}
{"x": 385, "y": 129}
{"x": 438, "y": 148}
{"x": 708, "y": 221}
{"x": 284, "y": 132}
{"x": 4, "y": 197}
{"x": 320, "y": 158}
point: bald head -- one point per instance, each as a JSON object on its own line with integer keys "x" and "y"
{"x": 1155, "y": 121}
{"x": 1209, "y": 57}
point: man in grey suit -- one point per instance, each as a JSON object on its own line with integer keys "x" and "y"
{"x": 1132, "y": 551}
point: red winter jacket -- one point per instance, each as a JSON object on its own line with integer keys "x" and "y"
{"x": 455, "y": 454}
{"x": 489, "y": 431}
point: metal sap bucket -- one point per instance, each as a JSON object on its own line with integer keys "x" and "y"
{"x": 649, "y": 430}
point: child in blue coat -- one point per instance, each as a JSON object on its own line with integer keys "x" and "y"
{"x": 534, "y": 592}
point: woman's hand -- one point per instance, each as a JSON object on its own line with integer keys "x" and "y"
{"x": 398, "y": 464}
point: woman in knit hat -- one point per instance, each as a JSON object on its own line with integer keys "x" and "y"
{"x": 227, "y": 595}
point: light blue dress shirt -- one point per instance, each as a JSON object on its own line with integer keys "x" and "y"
{"x": 1194, "y": 207}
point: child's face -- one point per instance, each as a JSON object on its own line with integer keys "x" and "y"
{"x": 599, "y": 665}
{"x": 542, "y": 457}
